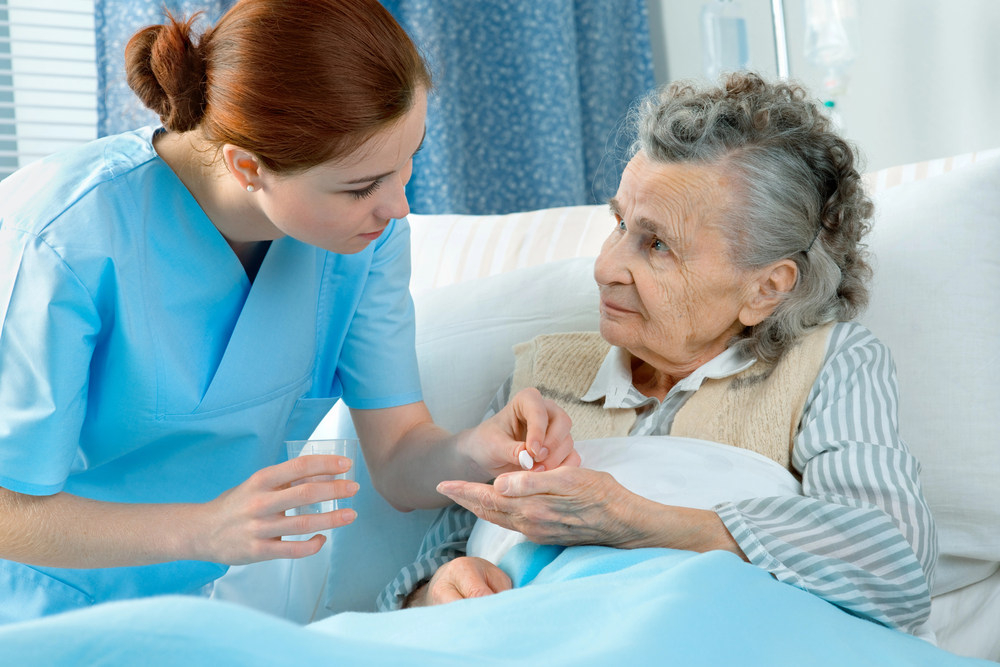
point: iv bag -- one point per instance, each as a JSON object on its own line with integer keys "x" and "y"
{"x": 723, "y": 38}
{"x": 832, "y": 40}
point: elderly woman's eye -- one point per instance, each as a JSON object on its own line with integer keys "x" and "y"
{"x": 621, "y": 225}
{"x": 659, "y": 245}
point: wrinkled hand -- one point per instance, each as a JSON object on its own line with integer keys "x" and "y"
{"x": 528, "y": 422}
{"x": 460, "y": 579}
{"x": 566, "y": 506}
{"x": 245, "y": 524}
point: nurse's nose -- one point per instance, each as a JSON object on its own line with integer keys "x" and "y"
{"x": 395, "y": 205}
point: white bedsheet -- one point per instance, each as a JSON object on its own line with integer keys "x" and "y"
{"x": 967, "y": 621}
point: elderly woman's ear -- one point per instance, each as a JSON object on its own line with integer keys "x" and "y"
{"x": 766, "y": 290}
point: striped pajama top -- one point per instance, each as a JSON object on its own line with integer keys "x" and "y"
{"x": 861, "y": 536}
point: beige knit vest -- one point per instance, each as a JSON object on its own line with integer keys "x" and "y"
{"x": 757, "y": 409}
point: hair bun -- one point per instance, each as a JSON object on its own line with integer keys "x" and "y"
{"x": 166, "y": 70}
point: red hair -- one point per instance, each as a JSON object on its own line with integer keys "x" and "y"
{"x": 295, "y": 82}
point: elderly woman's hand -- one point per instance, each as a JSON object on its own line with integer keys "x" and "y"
{"x": 460, "y": 579}
{"x": 571, "y": 506}
{"x": 529, "y": 423}
{"x": 564, "y": 506}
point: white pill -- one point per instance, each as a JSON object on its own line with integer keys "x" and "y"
{"x": 524, "y": 458}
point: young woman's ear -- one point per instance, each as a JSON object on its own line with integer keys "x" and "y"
{"x": 767, "y": 291}
{"x": 243, "y": 166}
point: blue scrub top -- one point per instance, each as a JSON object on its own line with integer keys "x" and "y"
{"x": 138, "y": 364}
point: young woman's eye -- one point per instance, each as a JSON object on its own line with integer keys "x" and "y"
{"x": 365, "y": 193}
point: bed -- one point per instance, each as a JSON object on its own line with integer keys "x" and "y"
{"x": 483, "y": 283}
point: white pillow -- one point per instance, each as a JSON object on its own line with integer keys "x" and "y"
{"x": 682, "y": 472}
{"x": 466, "y": 332}
{"x": 936, "y": 304}
{"x": 450, "y": 249}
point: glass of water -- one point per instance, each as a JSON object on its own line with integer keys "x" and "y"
{"x": 342, "y": 447}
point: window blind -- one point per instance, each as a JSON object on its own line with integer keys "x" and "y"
{"x": 48, "y": 79}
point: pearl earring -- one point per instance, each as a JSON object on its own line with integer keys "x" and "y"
{"x": 249, "y": 188}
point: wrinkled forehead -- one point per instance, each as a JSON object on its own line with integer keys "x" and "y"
{"x": 681, "y": 195}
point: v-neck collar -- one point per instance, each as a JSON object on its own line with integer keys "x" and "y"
{"x": 272, "y": 346}
{"x": 274, "y": 343}
{"x": 229, "y": 262}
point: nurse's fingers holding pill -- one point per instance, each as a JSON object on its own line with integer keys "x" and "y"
{"x": 530, "y": 432}
{"x": 564, "y": 454}
{"x": 545, "y": 426}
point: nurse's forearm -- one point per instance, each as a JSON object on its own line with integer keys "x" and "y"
{"x": 407, "y": 455}
{"x": 242, "y": 525}
{"x": 423, "y": 457}
{"x": 68, "y": 531}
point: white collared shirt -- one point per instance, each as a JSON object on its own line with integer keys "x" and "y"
{"x": 613, "y": 383}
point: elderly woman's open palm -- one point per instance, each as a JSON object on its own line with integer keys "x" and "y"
{"x": 572, "y": 506}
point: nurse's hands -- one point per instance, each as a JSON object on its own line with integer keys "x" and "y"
{"x": 245, "y": 524}
{"x": 528, "y": 422}
{"x": 460, "y": 579}
{"x": 407, "y": 454}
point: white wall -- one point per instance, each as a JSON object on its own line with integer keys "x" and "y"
{"x": 926, "y": 85}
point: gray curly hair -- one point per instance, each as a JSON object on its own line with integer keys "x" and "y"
{"x": 798, "y": 192}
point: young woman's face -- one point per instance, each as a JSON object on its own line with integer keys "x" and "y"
{"x": 344, "y": 205}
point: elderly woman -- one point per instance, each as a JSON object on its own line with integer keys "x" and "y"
{"x": 727, "y": 292}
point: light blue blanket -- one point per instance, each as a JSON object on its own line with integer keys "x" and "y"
{"x": 578, "y": 606}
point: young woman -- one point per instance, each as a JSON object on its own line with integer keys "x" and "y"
{"x": 177, "y": 302}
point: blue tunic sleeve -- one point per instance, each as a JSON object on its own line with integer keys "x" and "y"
{"x": 378, "y": 362}
{"x": 48, "y": 328}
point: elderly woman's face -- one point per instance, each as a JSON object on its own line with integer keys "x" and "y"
{"x": 669, "y": 293}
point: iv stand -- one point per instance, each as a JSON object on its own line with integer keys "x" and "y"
{"x": 780, "y": 37}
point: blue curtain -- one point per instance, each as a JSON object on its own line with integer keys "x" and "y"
{"x": 115, "y": 21}
{"x": 529, "y": 95}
